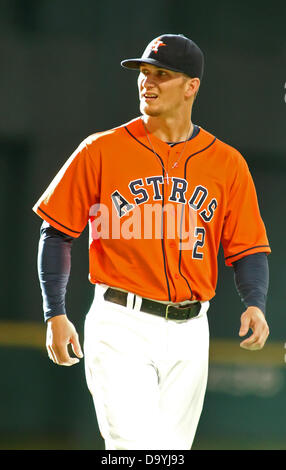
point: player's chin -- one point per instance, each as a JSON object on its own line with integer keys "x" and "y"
{"x": 149, "y": 109}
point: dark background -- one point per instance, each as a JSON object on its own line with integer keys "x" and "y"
{"x": 60, "y": 81}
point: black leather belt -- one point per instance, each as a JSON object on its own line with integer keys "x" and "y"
{"x": 167, "y": 311}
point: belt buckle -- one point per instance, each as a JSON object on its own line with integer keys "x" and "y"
{"x": 184, "y": 309}
{"x": 166, "y": 313}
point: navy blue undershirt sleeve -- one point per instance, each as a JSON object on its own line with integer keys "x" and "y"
{"x": 54, "y": 264}
{"x": 251, "y": 277}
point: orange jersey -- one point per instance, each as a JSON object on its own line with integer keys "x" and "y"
{"x": 156, "y": 220}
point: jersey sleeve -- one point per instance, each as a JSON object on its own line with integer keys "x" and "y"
{"x": 66, "y": 202}
{"x": 244, "y": 231}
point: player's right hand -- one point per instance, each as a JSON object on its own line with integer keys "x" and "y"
{"x": 60, "y": 333}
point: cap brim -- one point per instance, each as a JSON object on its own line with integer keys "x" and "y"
{"x": 134, "y": 64}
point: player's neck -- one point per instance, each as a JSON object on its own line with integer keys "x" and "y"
{"x": 169, "y": 129}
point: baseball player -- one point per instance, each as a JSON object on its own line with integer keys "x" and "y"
{"x": 160, "y": 194}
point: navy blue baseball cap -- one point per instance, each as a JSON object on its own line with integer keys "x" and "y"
{"x": 173, "y": 52}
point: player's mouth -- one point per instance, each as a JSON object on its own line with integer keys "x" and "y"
{"x": 149, "y": 97}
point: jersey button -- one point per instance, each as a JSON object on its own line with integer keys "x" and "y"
{"x": 177, "y": 276}
{"x": 172, "y": 244}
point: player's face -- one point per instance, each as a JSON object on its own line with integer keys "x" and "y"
{"x": 161, "y": 91}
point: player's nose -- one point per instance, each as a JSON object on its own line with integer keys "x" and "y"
{"x": 148, "y": 81}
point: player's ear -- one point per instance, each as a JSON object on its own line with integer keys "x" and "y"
{"x": 192, "y": 86}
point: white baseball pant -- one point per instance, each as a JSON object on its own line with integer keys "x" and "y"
{"x": 147, "y": 375}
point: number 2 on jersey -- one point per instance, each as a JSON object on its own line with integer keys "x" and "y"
{"x": 200, "y": 233}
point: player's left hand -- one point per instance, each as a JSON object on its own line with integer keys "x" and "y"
{"x": 254, "y": 319}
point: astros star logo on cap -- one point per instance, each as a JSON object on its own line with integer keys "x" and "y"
{"x": 181, "y": 55}
{"x": 158, "y": 43}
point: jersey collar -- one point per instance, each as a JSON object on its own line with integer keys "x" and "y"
{"x": 135, "y": 128}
